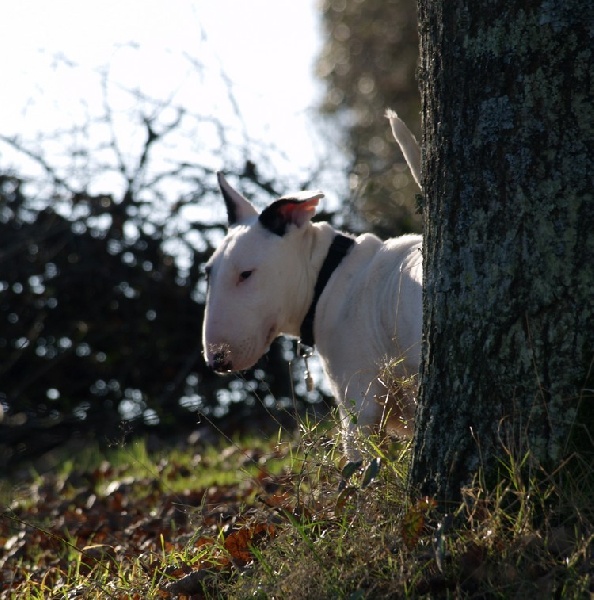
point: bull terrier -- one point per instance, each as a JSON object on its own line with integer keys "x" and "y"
{"x": 357, "y": 299}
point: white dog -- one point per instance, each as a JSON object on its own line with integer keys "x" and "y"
{"x": 357, "y": 299}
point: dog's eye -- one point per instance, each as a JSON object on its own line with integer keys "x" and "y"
{"x": 245, "y": 275}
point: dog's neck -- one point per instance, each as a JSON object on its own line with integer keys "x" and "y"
{"x": 339, "y": 248}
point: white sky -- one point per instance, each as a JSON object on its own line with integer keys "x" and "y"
{"x": 267, "y": 48}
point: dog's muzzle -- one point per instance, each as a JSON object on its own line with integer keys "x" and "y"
{"x": 221, "y": 362}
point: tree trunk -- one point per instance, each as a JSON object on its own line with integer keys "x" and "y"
{"x": 508, "y": 353}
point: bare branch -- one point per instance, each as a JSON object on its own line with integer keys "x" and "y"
{"x": 39, "y": 159}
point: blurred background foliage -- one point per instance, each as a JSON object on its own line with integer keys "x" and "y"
{"x": 368, "y": 64}
{"x": 102, "y": 296}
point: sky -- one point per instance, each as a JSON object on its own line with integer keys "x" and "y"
{"x": 181, "y": 51}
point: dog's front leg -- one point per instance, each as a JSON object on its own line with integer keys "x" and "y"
{"x": 350, "y": 433}
{"x": 360, "y": 413}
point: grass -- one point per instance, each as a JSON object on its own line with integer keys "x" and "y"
{"x": 283, "y": 518}
{"x": 369, "y": 541}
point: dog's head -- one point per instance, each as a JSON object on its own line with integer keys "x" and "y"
{"x": 256, "y": 278}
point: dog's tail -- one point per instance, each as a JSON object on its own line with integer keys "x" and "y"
{"x": 408, "y": 144}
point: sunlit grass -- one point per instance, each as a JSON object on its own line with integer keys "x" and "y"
{"x": 368, "y": 539}
{"x": 280, "y": 518}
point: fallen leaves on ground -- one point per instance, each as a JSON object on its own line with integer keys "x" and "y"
{"x": 61, "y": 529}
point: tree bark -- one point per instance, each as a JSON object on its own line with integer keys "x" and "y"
{"x": 507, "y": 365}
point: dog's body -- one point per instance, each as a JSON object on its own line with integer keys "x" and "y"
{"x": 265, "y": 276}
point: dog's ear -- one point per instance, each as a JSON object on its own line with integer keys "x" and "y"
{"x": 239, "y": 209}
{"x": 297, "y": 209}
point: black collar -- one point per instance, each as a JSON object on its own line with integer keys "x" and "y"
{"x": 339, "y": 248}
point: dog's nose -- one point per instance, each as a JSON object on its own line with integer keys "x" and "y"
{"x": 221, "y": 363}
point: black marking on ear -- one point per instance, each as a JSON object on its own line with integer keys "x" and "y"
{"x": 274, "y": 218}
{"x": 229, "y": 203}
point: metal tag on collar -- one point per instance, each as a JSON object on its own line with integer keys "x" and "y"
{"x": 305, "y": 352}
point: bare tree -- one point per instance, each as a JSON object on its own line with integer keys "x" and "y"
{"x": 101, "y": 288}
